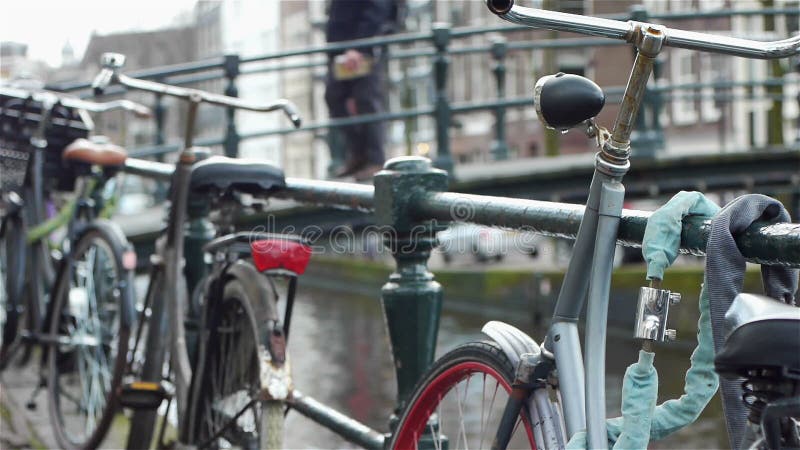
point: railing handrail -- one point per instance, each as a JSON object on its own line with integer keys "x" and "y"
{"x": 218, "y": 62}
{"x": 761, "y": 243}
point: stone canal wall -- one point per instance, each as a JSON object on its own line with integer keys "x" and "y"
{"x": 503, "y": 292}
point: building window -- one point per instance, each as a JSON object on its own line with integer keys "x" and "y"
{"x": 682, "y": 72}
{"x": 710, "y": 72}
{"x": 711, "y": 5}
{"x": 656, "y": 6}
{"x": 682, "y": 5}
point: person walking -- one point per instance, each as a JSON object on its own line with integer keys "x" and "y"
{"x": 355, "y": 82}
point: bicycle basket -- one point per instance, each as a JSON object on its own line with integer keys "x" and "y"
{"x": 20, "y": 118}
{"x": 13, "y": 165}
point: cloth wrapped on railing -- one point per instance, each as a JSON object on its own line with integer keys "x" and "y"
{"x": 641, "y": 421}
{"x": 725, "y": 267}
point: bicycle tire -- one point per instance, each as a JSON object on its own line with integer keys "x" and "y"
{"x": 143, "y": 421}
{"x": 231, "y": 324}
{"x": 15, "y": 305}
{"x": 427, "y": 415}
{"x": 92, "y": 310}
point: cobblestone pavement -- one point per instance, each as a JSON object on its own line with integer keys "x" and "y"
{"x": 22, "y": 427}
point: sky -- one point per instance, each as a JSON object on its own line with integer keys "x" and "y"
{"x": 46, "y": 25}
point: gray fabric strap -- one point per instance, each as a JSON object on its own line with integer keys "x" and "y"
{"x": 725, "y": 268}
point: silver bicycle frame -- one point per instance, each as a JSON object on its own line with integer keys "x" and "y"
{"x": 589, "y": 271}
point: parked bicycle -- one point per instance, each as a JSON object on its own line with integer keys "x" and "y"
{"x": 228, "y": 379}
{"x": 82, "y": 317}
{"x": 512, "y": 392}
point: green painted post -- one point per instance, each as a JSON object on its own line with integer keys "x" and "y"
{"x": 442, "y": 114}
{"x": 198, "y": 232}
{"x": 499, "y": 145}
{"x": 336, "y": 145}
{"x": 412, "y": 300}
{"x": 231, "y": 67}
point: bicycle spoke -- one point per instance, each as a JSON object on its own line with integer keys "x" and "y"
{"x": 463, "y": 431}
{"x": 483, "y": 403}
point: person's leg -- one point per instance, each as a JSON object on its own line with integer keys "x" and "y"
{"x": 336, "y": 97}
{"x": 369, "y": 93}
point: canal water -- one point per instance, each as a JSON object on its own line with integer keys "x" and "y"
{"x": 340, "y": 355}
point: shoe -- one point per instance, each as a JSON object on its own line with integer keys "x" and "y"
{"x": 366, "y": 173}
{"x": 350, "y": 168}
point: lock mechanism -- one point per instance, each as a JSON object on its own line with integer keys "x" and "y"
{"x": 652, "y": 312}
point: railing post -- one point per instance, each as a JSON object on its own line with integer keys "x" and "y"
{"x": 797, "y": 139}
{"x": 159, "y": 115}
{"x": 441, "y": 39}
{"x": 231, "y": 134}
{"x": 657, "y": 104}
{"x": 412, "y": 300}
{"x": 499, "y": 145}
{"x": 336, "y": 145}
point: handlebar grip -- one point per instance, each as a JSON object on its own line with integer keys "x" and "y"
{"x": 291, "y": 111}
{"x": 101, "y": 81}
{"x": 499, "y": 6}
{"x": 140, "y": 111}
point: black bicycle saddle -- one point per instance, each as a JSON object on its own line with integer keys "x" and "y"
{"x": 764, "y": 333}
{"x": 245, "y": 175}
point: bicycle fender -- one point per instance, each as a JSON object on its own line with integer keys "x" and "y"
{"x": 258, "y": 289}
{"x": 511, "y": 340}
{"x": 127, "y": 261}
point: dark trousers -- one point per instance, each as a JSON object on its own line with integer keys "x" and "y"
{"x": 364, "y": 142}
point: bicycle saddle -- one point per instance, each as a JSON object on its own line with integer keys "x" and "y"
{"x": 246, "y": 175}
{"x": 564, "y": 100}
{"x": 101, "y": 154}
{"x": 765, "y": 333}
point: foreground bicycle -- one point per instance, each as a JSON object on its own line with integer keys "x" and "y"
{"x": 515, "y": 393}
{"x": 88, "y": 311}
{"x": 228, "y": 385}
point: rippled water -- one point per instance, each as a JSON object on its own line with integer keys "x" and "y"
{"x": 341, "y": 357}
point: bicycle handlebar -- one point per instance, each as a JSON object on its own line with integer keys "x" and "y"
{"x": 615, "y": 29}
{"x": 112, "y": 62}
{"x": 49, "y": 97}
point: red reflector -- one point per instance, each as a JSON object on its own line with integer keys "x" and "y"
{"x": 280, "y": 254}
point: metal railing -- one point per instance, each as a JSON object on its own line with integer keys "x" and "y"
{"x": 409, "y": 202}
{"x": 439, "y": 49}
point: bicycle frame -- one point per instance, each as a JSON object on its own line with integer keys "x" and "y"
{"x": 172, "y": 254}
{"x": 588, "y": 276}
{"x": 74, "y": 211}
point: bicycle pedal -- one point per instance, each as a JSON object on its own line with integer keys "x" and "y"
{"x": 143, "y": 394}
{"x": 31, "y": 405}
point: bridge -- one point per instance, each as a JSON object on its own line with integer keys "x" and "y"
{"x": 410, "y": 192}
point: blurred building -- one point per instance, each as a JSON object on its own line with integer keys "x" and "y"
{"x": 16, "y": 65}
{"x": 244, "y": 28}
{"x": 142, "y": 49}
{"x": 696, "y": 118}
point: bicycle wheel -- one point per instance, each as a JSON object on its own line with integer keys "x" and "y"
{"x": 226, "y": 409}
{"x": 91, "y": 318}
{"x": 17, "y": 312}
{"x": 461, "y": 400}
